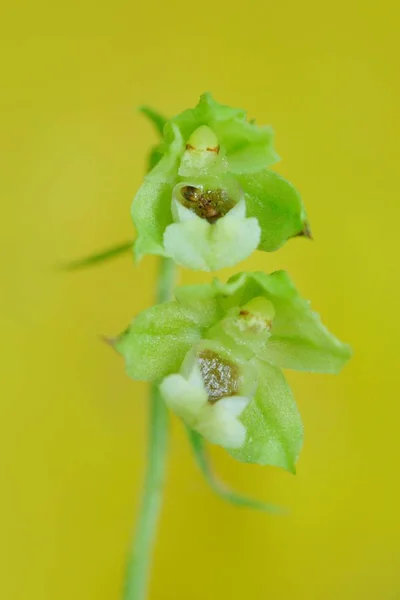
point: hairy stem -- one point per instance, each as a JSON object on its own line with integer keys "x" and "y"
{"x": 139, "y": 562}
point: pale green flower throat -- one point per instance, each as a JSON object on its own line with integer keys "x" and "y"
{"x": 206, "y": 203}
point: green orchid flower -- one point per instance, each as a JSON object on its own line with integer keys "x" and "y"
{"x": 210, "y": 393}
{"x": 215, "y": 355}
{"x": 218, "y": 350}
{"x": 209, "y": 201}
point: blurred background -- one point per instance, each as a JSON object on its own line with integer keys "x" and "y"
{"x": 73, "y": 426}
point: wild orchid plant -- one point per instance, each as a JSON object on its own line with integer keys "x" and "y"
{"x": 215, "y": 352}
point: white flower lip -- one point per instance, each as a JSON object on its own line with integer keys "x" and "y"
{"x": 195, "y": 243}
{"x": 217, "y": 422}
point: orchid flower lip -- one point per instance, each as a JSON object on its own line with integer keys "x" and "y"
{"x": 209, "y": 394}
{"x": 210, "y": 199}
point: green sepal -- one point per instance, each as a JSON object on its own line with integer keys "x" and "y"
{"x": 157, "y": 341}
{"x": 151, "y": 208}
{"x": 277, "y": 206}
{"x": 154, "y": 117}
{"x": 202, "y": 301}
{"x": 158, "y": 120}
{"x": 298, "y": 340}
{"x": 273, "y": 423}
{"x": 247, "y": 146}
{"x": 155, "y": 155}
{"x": 198, "y": 446}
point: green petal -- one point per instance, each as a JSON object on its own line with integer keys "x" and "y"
{"x": 199, "y": 450}
{"x": 151, "y": 208}
{"x": 273, "y": 423}
{"x": 277, "y": 206}
{"x": 157, "y": 341}
{"x": 247, "y": 146}
{"x": 298, "y": 339}
{"x": 206, "y": 112}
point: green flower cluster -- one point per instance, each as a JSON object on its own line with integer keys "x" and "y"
{"x": 218, "y": 351}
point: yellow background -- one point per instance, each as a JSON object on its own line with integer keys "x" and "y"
{"x": 73, "y": 427}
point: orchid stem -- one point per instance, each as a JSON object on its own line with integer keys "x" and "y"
{"x": 139, "y": 562}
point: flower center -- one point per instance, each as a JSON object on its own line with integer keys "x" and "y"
{"x": 206, "y": 203}
{"x": 203, "y": 139}
{"x": 202, "y": 154}
{"x": 256, "y": 316}
{"x": 220, "y": 377}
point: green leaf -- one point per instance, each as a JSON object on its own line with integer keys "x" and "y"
{"x": 277, "y": 206}
{"x": 151, "y": 208}
{"x": 298, "y": 340}
{"x": 100, "y": 257}
{"x": 157, "y": 341}
{"x": 199, "y": 450}
{"x": 273, "y": 423}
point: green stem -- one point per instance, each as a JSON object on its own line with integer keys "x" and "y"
{"x": 142, "y": 545}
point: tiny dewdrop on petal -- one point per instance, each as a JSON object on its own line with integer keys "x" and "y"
{"x": 202, "y": 154}
{"x": 210, "y": 229}
{"x": 210, "y": 394}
